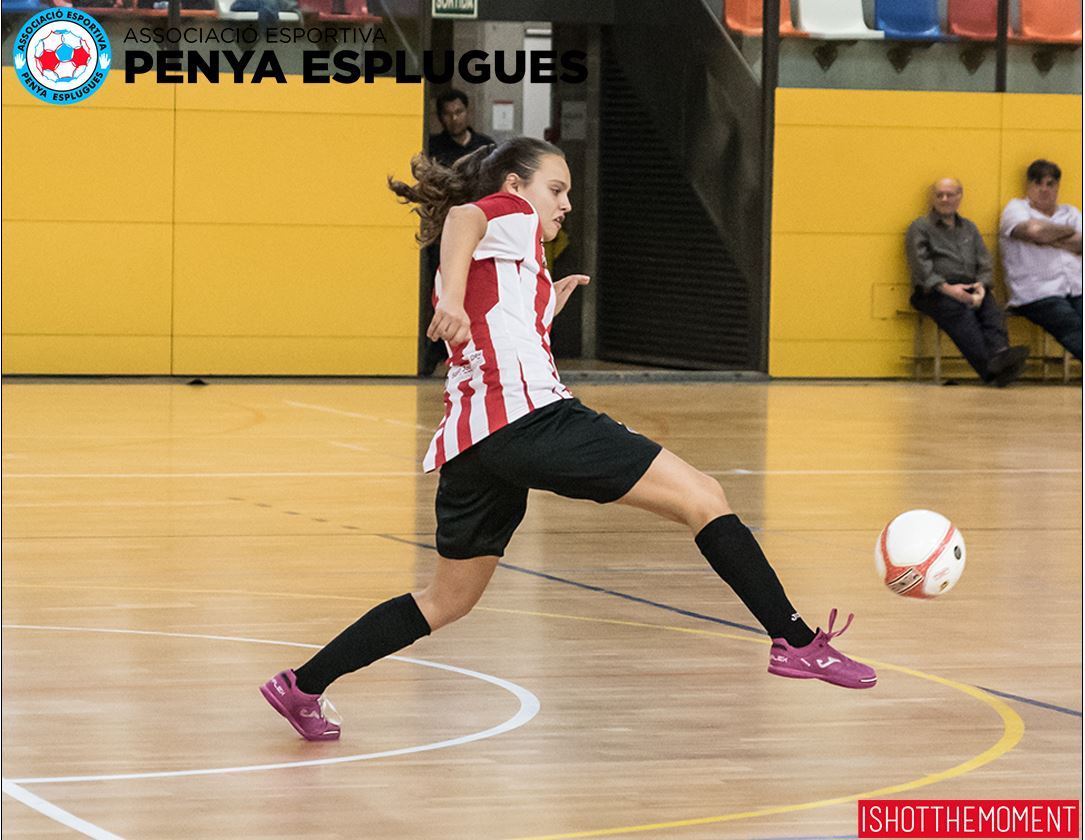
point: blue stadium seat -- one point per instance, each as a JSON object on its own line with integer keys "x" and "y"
{"x": 226, "y": 12}
{"x": 909, "y": 20}
{"x": 21, "y": 6}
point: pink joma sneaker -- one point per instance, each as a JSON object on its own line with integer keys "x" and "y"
{"x": 314, "y": 717}
{"x": 821, "y": 661}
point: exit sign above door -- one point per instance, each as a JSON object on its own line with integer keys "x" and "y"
{"x": 455, "y": 8}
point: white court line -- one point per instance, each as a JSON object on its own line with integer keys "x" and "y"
{"x": 529, "y": 707}
{"x": 965, "y": 471}
{"x": 111, "y": 504}
{"x": 339, "y": 411}
{"x": 344, "y": 474}
{"x": 357, "y": 447}
{"x": 399, "y": 474}
{"x": 56, "y": 814}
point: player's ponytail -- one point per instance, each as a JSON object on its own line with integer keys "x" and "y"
{"x": 440, "y": 188}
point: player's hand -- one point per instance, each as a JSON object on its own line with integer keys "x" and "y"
{"x": 978, "y": 295}
{"x": 565, "y": 287}
{"x": 450, "y": 323}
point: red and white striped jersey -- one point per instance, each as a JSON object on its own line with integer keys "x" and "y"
{"x": 506, "y": 370}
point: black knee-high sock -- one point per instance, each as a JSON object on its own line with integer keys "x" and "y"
{"x": 383, "y": 630}
{"x": 736, "y": 557}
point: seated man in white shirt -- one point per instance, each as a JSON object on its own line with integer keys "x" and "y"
{"x": 1040, "y": 241}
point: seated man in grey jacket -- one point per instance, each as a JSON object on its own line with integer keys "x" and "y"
{"x": 951, "y": 276}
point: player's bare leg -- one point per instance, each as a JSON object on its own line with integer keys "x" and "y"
{"x": 454, "y": 589}
{"x": 674, "y": 490}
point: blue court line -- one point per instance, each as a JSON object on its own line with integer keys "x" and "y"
{"x": 634, "y": 598}
{"x": 1031, "y": 702}
{"x": 701, "y": 616}
{"x": 601, "y": 589}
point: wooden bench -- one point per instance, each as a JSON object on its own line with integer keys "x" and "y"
{"x": 1044, "y": 351}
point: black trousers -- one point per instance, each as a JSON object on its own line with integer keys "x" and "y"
{"x": 1060, "y": 316}
{"x": 978, "y": 333}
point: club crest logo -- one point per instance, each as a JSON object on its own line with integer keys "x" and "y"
{"x": 62, "y": 55}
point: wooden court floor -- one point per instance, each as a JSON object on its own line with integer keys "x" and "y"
{"x": 167, "y": 548}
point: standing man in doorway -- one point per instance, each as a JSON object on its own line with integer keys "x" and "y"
{"x": 457, "y": 139}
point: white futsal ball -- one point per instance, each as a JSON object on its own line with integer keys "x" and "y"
{"x": 920, "y": 554}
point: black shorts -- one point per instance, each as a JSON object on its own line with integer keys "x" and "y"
{"x": 563, "y": 447}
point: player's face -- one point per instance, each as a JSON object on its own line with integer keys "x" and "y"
{"x": 454, "y": 117}
{"x": 1044, "y": 195}
{"x": 946, "y": 197}
{"x": 548, "y": 192}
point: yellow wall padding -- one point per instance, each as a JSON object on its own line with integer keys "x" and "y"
{"x": 210, "y": 229}
{"x": 852, "y": 170}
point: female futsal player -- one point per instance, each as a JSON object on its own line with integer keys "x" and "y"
{"x": 510, "y": 426}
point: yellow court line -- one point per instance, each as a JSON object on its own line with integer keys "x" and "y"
{"x": 1013, "y": 728}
